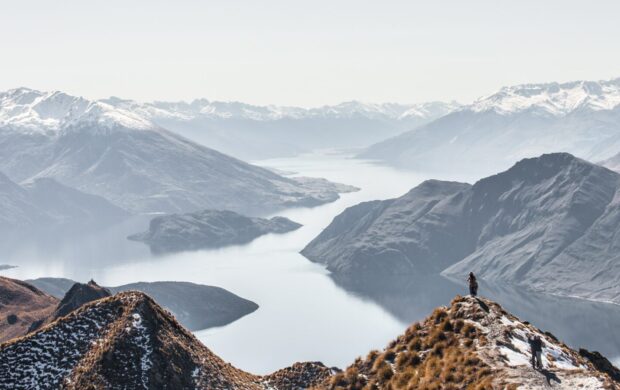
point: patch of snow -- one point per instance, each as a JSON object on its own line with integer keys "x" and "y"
{"x": 553, "y": 98}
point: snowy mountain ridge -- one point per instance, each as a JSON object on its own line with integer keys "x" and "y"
{"x": 40, "y": 111}
{"x": 555, "y": 99}
{"x": 45, "y": 112}
{"x": 226, "y": 110}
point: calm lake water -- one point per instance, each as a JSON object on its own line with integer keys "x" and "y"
{"x": 304, "y": 314}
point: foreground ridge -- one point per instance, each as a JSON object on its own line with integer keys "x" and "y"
{"x": 472, "y": 344}
{"x": 127, "y": 341}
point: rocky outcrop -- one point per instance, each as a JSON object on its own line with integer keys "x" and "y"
{"x": 78, "y": 295}
{"x": 208, "y": 229}
{"x": 521, "y": 121}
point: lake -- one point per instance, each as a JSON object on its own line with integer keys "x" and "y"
{"x": 304, "y": 313}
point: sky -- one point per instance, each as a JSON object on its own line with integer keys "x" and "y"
{"x": 304, "y": 53}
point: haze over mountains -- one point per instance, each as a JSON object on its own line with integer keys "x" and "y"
{"x": 548, "y": 223}
{"x": 581, "y": 118}
{"x": 256, "y": 132}
{"x": 44, "y": 204}
{"x": 132, "y": 162}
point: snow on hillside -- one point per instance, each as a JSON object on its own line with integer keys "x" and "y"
{"x": 555, "y": 99}
{"x": 203, "y": 108}
{"x": 35, "y": 111}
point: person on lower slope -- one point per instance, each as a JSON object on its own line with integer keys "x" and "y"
{"x": 473, "y": 284}
{"x": 536, "y": 349}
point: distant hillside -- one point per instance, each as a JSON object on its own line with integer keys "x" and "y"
{"x": 257, "y": 132}
{"x": 137, "y": 165}
{"x": 208, "y": 229}
{"x": 581, "y": 118}
{"x": 46, "y": 204}
{"x": 549, "y": 223}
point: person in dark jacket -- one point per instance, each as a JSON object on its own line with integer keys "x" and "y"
{"x": 536, "y": 345}
{"x": 473, "y": 284}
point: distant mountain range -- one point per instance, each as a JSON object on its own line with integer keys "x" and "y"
{"x": 129, "y": 341}
{"x": 257, "y": 132}
{"x": 549, "y": 223}
{"x": 581, "y": 118}
{"x": 133, "y": 163}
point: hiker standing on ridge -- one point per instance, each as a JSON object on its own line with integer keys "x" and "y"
{"x": 473, "y": 284}
{"x": 536, "y": 349}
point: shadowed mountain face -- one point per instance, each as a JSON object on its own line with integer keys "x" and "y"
{"x": 195, "y": 306}
{"x": 208, "y": 229}
{"x": 548, "y": 223}
{"x": 521, "y": 121}
{"x": 78, "y": 295}
{"x": 133, "y": 163}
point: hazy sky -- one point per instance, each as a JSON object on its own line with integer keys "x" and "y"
{"x": 304, "y": 52}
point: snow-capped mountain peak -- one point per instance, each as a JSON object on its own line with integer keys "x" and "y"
{"x": 556, "y": 99}
{"x": 30, "y": 110}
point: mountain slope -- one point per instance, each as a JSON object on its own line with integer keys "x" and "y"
{"x": 196, "y": 306}
{"x": 125, "y": 341}
{"x": 474, "y": 344}
{"x": 45, "y": 203}
{"x": 22, "y": 304}
{"x": 581, "y": 118}
{"x": 128, "y": 342}
{"x": 258, "y": 132}
{"x": 549, "y": 223}
{"x": 116, "y": 154}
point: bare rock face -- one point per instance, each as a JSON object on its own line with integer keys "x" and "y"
{"x": 601, "y": 363}
{"x": 208, "y": 229}
{"x": 549, "y": 223}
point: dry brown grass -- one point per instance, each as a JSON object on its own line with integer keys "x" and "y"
{"x": 438, "y": 353}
